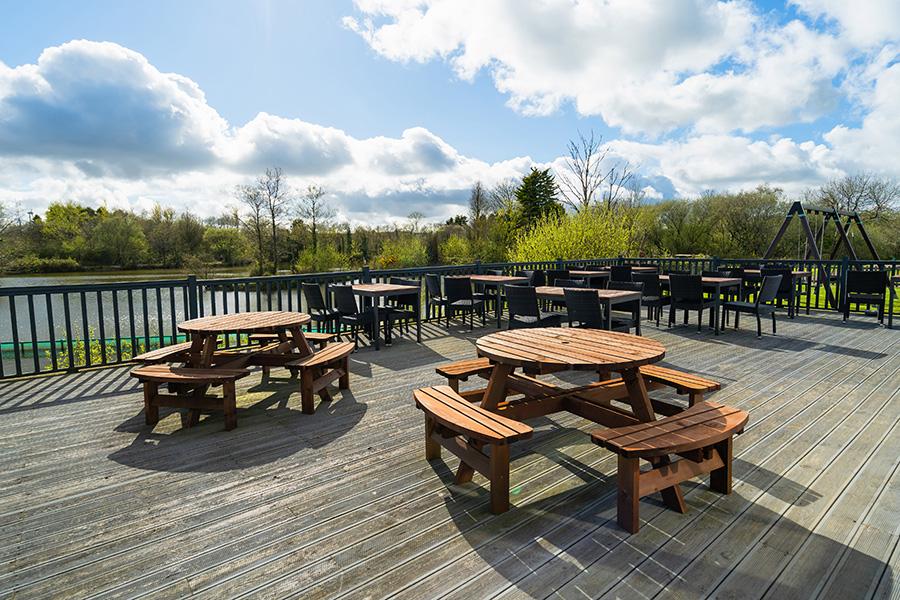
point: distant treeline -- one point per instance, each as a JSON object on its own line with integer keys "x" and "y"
{"x": 531, "y": 219}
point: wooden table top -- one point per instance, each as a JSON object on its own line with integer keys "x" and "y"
{"x": 247, "y": 322}
{"x": 604, "y": 274}
{"x": 384, "y": 289}
{"x": 642, "y": 268}
{"x": 720, "y": 281}
{"x": 571, "y": 348}
{"x": 491, "y": 278}
{"x": 794, "y": 274}
{"x": 549, "y": 292}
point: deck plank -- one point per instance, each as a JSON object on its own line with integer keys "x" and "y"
{"x": 342, "y": 504}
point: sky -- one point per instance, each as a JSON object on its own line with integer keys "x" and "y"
{"x": 396, "y": 106}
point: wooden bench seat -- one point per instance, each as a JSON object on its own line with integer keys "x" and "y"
{"x": 461, "y": 370}
{"x": 465, "y": 429}
{"x": 684, "y": 383}
{"x": 172, "y": 353}
{"x": 320, "y": 369}
{"x": 319, "y": 338}
{"x": 702, "y": 435}
{"x": 199, "y": 379}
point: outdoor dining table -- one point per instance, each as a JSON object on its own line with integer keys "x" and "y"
{"x": 205, "y": 332}
{"x": 608, "y": 299}
{"x": 377, "y": 291}
{"x": 495, "y": 281}
{"x": 716, "y": 284}
{"x": 638, "y": 268}
{"x": 591, "y": 276}
{"x": 553, "y": 349}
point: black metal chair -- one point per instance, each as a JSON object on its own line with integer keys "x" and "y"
{"x": 651, "y": 296}
{"x": 529, "y": 274}
{"x": 584, "y": 308}
{"x": 866, "y": 287}
{"x": 620, "y": 273}
{"x": 553, "y": 274}
{"x": 461, "y": 299}
{"x": 350, "y": 315}
{"x": 627, "y": 314}
{"x": 686, "y": 293}
{"x": 435, "y": 300}
{"x": 786, "y": 291}
{"x": 324, "y": 318}
{"x": 523, "y": 309}
{"x": 768, "y": 290}
{"x": 405, "y": 308}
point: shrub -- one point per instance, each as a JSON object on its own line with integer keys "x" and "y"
{"x": 455, "y": 250}
{"x": 323, "y": 258}
{"x": 33, "y": 264}
{"x": 402, "y": 252}
{"x": 587, "y": 234}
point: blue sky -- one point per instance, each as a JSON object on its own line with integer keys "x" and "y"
{"x": 394, "y": 104}
{"x": 293, "y": 59}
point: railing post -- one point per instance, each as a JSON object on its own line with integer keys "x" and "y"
{"x": 478, "y": 267}
{"x": 193, "y": 304}
{"x": 714, "y": 264}
{"x": 366, "y": 276}
{"x": 620, "y": 260}
{"x": 559, "y": 264}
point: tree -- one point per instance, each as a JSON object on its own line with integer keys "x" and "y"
{"x": 6, "y": 219}
{"x": 315, "y": 211}
{"x": 861, "y": 192}
{"x": 536, "y": 197}
{"x": 226, "y": 245}
{"x": 253, "y": 219}
{"x": 276, "y": 196}
{"x": 159, "y": 230}
{"x": 589, "y": 173}
{"x": 502, "y": 197}
{"x": 415, "y": 221}
{"x": 119, "y": 239}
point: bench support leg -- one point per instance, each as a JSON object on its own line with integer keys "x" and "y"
{"x": 694, "y": 398}
{"x": 432, "y": 448}
{"x": 720, "y": 479}
{"x": 228, "y": 404}
{"x": 628, "y": 497}
{"x": 151, "y": 410}
{"x": 307, "y": 402}
{"x": 499, "y": 478}
{"x": 344, "y": 381}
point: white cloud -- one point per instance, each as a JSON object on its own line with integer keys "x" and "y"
{"x": 643, "y": 66}
{"x": 96, "y": 122}
{"x": 863, "y": 22}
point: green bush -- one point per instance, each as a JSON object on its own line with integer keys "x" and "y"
{"x": 402, "y": 252}
{"x": 455, "y": 250}
{"x": 587, "y": 234}
{"x": 324, "y": 258}
{"x": 33, "y": 264}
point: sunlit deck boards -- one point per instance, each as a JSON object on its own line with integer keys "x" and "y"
{"x": 342, "y": 503}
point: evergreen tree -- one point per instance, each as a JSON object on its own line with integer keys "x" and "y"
{"x": 537, "y": 198}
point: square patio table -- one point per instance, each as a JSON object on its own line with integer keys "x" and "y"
{"x": 716, "y": 284}
{"x": 386, "y": 290}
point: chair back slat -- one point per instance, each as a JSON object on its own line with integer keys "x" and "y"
{"x": 313, "y": 294}
{"x": 584, "y": 307}
{"x": 522, "y": 301}
{"x": 458, "y": 288}
{"x": 687, "y": 288}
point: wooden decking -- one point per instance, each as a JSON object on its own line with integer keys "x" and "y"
{"x": 342, "y": 503}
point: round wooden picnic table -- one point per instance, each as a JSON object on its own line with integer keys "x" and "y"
{"x": 205, "y": 331}
{"x": 553, "y": 349}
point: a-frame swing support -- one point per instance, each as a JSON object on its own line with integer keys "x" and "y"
{"x": 830, "y": 214}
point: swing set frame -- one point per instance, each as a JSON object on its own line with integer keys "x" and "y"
{"x": 812, "y": 245}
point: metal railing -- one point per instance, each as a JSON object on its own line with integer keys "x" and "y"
{"x": 70, "y": 327}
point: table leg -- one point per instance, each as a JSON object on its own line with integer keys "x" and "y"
{"x": 808, "y": 292}
{"x": 419, "y": 317}
{"x": 607, "y": 311}
{"x": 643, "y": 410}
{"x": 375, "y": 327}
{"x": 716, "y": 300}
{"x": 497, "y": 304}
{"x": 493, "y": 395}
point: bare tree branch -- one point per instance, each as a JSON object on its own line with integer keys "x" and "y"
{"x": 587, "y": 176}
